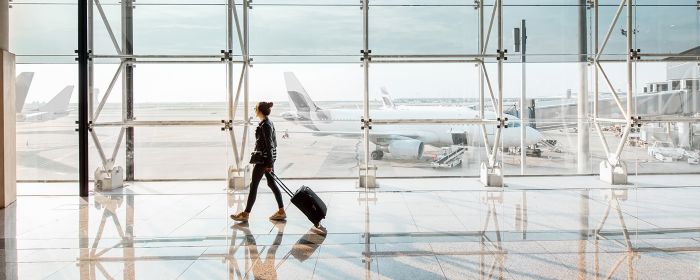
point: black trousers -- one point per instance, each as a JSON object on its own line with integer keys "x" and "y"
{"x": 258, "y": 172}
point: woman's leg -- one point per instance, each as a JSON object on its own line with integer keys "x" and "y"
{"x": 275, "y": 190}
{"x": 258, "y": 172}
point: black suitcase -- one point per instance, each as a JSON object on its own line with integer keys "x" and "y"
{"x": 307, "y": 201}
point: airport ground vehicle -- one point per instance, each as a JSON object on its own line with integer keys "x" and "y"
{"x": 665, "y": 151}
{"x": 450, "y": 158}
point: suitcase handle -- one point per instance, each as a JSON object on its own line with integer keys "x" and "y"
{"x": 282, "y": 185}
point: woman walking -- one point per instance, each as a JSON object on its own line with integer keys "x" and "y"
{"x": 263, "y": 157}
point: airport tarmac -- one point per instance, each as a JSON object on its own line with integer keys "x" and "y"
{"x": 48, "y": 150}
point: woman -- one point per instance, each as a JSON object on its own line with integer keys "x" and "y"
{"x": 266, "y": 150}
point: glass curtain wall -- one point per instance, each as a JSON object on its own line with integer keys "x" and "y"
{"x": 47, "y": 148}
{"x": 442, "y": 76}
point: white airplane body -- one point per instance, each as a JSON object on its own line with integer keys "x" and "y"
{"x": 401, "y": 140}
{"x": 56, "y": 108}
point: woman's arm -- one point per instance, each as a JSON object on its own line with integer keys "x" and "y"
{"x": 267, "y": 142}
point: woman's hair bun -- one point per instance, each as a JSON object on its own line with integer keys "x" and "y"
{"x": 264, "y": 107}
{"x": 271, "y": 104}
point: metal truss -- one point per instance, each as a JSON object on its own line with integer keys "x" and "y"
{"x": 630, "y": 118}
{"x": 613, "y": 159}
{"x": 490, "y": 84}
{"x": 236, "y": 30}
{"x": 485, "y": 82}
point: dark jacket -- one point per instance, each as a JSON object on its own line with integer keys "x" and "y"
{"x": 266, "y": 141}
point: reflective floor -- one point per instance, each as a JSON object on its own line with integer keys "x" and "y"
{"x": 536, "y": 228}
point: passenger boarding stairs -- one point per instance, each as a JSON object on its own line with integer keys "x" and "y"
{"x": 451, "y": 159}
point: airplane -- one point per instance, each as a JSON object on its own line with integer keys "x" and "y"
{"x": 22, "y": 83}
{"x": 57, "y": 107}
{"x": 399, "y": 140}
{"x": 387, "y": 102}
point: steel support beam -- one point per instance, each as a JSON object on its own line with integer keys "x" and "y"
{"x": 246, "y": 66}
{"x": 583, "y": 143}
{"x": 499, "y": 109}
{"x": 127, "y": 9}
{"x": 613, "y": 170}
{"x": 630, "y": 46}
{"x": 490, "y": 171}
{"x": 83, "y": 88}
{"x": 91, "y": 64}
{"x": 482, "y": 76}
{"x": 523, "y": 96}
{"x": 367, "y": 258}
{"x": 366, "y": 120}
{"x": 236, "y": 173}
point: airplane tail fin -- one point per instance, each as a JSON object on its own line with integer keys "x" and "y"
{"x": 297, "y": 94}
{"x": 58, "y": 103}
{"x": 24, "y": 80}
{"x": 387, "y": 102}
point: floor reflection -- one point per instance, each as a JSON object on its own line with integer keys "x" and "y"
{"x": 614, "y": 199}
{"x": 602, "y": 233}
{"x": 92, "y": 255}
{"x": 266, "y": 268}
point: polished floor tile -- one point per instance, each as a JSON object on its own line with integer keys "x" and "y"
{"x": 536, "y": 228}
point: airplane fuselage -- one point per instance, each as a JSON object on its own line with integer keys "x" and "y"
{"x": 437, "y": 135}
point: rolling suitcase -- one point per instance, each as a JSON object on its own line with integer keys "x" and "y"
{"x": 306, "y": 200}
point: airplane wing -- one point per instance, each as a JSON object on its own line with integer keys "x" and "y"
{"x": 374, "y": 137}
{"x": 33, "y": 116}
{"x": 60, "y": 102}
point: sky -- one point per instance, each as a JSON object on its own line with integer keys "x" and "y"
{"x": 280, "y": 33}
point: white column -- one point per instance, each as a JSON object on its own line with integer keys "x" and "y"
{"x": 8, "y": 189}
{"x": 8, "y": 164}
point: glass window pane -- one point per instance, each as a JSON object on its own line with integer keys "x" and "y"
{"x": 291, "y": 30}
{"x": 43, "y": 29}
{"x": 423, "y": 30}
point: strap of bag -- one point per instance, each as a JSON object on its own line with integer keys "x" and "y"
{"x": 282, "y": 185}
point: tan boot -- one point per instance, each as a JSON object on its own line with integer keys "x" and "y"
{"x": 280, "y": 215}
{"x": 241, "y": 217}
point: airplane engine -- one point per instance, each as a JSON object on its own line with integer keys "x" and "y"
{"x": 406, "y": 149}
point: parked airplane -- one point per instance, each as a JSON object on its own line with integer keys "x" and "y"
{"x": 57, "y": 107}
{"x": 22, "y": 83}
{"x": 400, "y": 140}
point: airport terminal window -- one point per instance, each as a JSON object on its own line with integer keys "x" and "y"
{"x": 305, "y": 58}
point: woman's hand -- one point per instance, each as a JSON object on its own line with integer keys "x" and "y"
{"x": 268, "y": 169}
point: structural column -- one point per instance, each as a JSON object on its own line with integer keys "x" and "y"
{"x": 128, "y": 83}
{"x": 8, "y": 132}
{"x": 8, "y": 226}
{"x": 583, "y": 151}
{"x": 523, "y": 97}
{"x": 83, "y": 82}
